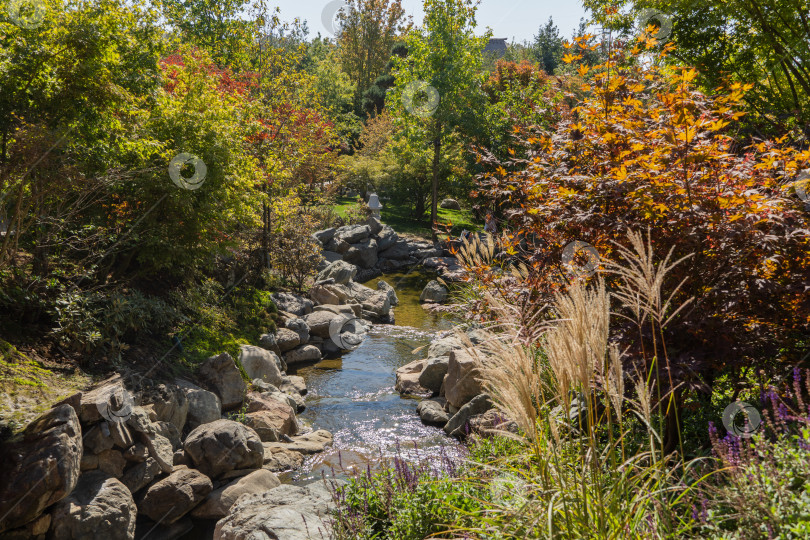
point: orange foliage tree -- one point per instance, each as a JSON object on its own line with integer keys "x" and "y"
{"x": 639, "y": 147}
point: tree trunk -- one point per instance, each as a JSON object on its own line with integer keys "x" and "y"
{"x": 434, "y": 195}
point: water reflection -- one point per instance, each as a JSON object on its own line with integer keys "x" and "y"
{"x": 354, "y": 396}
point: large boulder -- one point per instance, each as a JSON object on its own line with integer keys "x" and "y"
{"x": 168, "y": 403}
{"x": 443, "y": 346}
{"x": 220, "y": 501}
{"x": 106, "y": 435}
{"x": 407, "y": 379}
{"x": 261, "y": 364}
{"x": 225, "y": 379}
{"x": 141, "y": 475}
{"x": 41, "y": 468}
{"x": 287, "y": 339}
{"x": 302, "y": 354}
{"x": 155, "y": 436}
{"x": 300, "y": 327}
{"x": 389, "y": 290}
{"x": 390, "y": 265}
{"x": 321, "y": 295}
{"x": 433, "y": 293}
{"x": 325, "y": 235}
{"x": 353, "y": 233}
{"x": 269, "y": 418}
{"x": 433, "y": 374}
{"x": 463, "y": 378}
{"x": 378, "y": 304}
{"x": 386, "y": 238}
{"x": 169, "y": 499}
{"x": 203, "y": 406}
{"x": 492, "y": 422}
{"x": 367, "y": 274}
{"x": 278, "y": 458}
{"x": 340, "y": 271}
{"x": 450, "y": 204}
{"x": 314, "y": 442}
{"x": 99, "y": 507}
{"x": 319, "y": 322}
{"x": 431, "y": 411}
{"x": 294, "y": 384}
{"x": 292, "y": 303}
{"x": 398, "y": 251}
{"x": 374, "y": 225}
{"x": 268, "y": 341}
{"x": 223, "y": 446}
{"x": 362, "y": 254}
{"x": 108, "y": 399}
{"x": 288, "y": 512}
{"x": 457, "y": 425}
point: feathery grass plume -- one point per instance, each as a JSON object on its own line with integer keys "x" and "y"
{"x": 614, "y": 380}
{"x": 514, "y": 381}
{"x": 475, "y": 252}
{"x": 577, "y": 343}
{"x": 641, "y": 280}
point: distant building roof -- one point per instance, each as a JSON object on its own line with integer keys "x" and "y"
{"x": 496, "y": 46}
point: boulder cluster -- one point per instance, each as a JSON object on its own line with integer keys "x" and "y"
{"x": 114, "y": 464}
{"x": 374, "y": 249}
{"x": 450, "y": 379}
{"x": 332, "y": 319}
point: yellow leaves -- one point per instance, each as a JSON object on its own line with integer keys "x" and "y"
{"x": 637, "y": 147}
{"x": 620, "y": 174}
{"x": 563, "y": 191}
{"x": 501, "y": 171}
{"x": 568, "y": 58}
{"x": 731, "y": 201}
{"x": 583, "y": 69}
{"x": 586, "y": 87}
{"x": 688, "y": 75}
{"x": 687, "y": 135}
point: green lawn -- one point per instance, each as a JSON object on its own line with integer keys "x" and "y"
{"x": 397, "y": 215}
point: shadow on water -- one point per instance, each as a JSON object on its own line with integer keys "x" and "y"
{"x": 354, "y": 396}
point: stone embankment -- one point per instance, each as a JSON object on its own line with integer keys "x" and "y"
{"x": 376, "y": 249}
{"x": 450, "y": 381}
{"x": 135, "y": 457}
{"x": 116, "y": 462}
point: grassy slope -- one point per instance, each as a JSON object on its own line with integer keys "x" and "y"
{"x": 397, "y": 215}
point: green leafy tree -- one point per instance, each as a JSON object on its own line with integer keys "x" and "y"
{"x": 374, "y": 98}
{"x": 439, "y": 85}
{"x": 369, "y": 29}
{"x": 220, "y": 26}
{"x": 548, "y": 46}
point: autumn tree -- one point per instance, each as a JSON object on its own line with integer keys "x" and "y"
{"x": 759, "y": 42}
{"x": 369, "y": 30}
{"x": 644, "y": 150}
{"x": 439, "y": 93}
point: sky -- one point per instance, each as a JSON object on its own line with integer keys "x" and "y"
{"x": 511, "y": 19}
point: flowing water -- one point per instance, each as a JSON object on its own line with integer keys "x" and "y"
{"x": 354, "y": 397}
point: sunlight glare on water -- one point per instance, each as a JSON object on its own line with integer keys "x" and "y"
{"x": 354, "y": 398}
